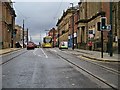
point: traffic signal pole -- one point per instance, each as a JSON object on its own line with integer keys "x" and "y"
{"x": 103, "y": 27}
{"x": 101, "y": 43}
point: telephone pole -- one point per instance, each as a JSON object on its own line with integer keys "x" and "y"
{"x": 27, "y": 36}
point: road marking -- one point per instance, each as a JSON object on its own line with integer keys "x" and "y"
{"x": 39, "y": 55}
{"x": 44, "y": 53}
{"x": 35, "y": 51}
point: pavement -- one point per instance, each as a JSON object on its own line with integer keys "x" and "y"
{"x": 8, "y": 50}
{"x": 96, "y": 55}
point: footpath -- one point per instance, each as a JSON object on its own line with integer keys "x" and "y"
{"x": 96, "y": 55}
{"x": 8, "y": 50}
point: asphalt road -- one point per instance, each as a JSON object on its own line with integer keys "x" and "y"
{"x": 46, "y": 68}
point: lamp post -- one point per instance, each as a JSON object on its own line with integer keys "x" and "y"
{"x": 110, "y": 33}
{"x": 72, "y": 27}
{"x": 23, "y": 33}
{"x": 12, "y": 32}
{"x": 58, "y": 36}
{"x": 27, "y": 36}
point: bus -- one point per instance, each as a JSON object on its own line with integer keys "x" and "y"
{"x": 47, "y": 42}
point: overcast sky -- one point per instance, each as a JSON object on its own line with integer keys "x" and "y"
{"x": 39, "y": 16}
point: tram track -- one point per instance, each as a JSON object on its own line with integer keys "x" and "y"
{"x": 90, "y": 73}
{"x": 117, "y": 72}
{"x": 4, "y": 62}
{"x": 105, "y": 67}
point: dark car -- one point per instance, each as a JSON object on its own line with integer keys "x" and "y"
{"x": 30, "y": 45}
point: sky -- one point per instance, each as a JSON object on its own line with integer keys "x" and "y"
{"x": 40, "y": 16}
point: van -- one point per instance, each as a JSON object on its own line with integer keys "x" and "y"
{"x": 63, "y": 45}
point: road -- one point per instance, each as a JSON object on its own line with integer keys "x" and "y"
{"x": 54, "y": 68}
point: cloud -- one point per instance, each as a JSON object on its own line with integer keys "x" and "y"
{"x": 39, "y": 16}
{"x": 45, "y": 0}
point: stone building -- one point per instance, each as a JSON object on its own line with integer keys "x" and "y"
{"x": 90, "y": 14}
{"x": 64, "y": 26}
{"x": 7, "y": 24}
{"x": 82, "y": 25}
{"x": 116, "y": 26}
{"x": 19, "y": 35}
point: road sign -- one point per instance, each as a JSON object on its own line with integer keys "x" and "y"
{"x": 108, "y": 27}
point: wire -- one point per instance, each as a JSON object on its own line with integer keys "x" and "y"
{"x": 59, "y": 8}
{"x": 56, "y": 12}
{"x": 20, "y": 12}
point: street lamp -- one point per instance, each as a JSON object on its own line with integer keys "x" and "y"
{"x": 12, "y": 32}
{"x": 72, "y": 26}
{"x": 23, "y": 33}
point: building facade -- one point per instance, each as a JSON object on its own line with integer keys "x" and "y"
{"x": 53, "y": 34}
{"x": 90, "y": 15}
{"x": 7, "y": 24}
{"x": 19, "y": 34}
{"x": 64, "y": 26}
{"x": 116, "y": 26}
{"x": 75, "y": 26}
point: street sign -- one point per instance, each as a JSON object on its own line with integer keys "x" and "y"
{"x": 108, "y": 27}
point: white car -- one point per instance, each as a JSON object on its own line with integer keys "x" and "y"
{"x": 63, "y": 45}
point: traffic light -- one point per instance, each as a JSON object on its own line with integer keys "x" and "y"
{"x": 98, "y": 26}
{"x": 103, "y": 23}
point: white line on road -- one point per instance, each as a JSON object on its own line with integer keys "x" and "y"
{"x": 44, "y": 53}
{"x": 35, "y": 51}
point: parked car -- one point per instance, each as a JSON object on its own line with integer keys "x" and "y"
{"x": 30, "y": 45}
{"x": 63, "y": 45}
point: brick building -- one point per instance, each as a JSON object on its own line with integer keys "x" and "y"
{"x": 7, "y": 24}
{"x": 70, "y": 37}
{"x": 53, "y": 34}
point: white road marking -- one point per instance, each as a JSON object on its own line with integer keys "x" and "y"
{"x": 34, "y": 51}
{"x": 39, "y": 55}
{"x": 44, "y": 53}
